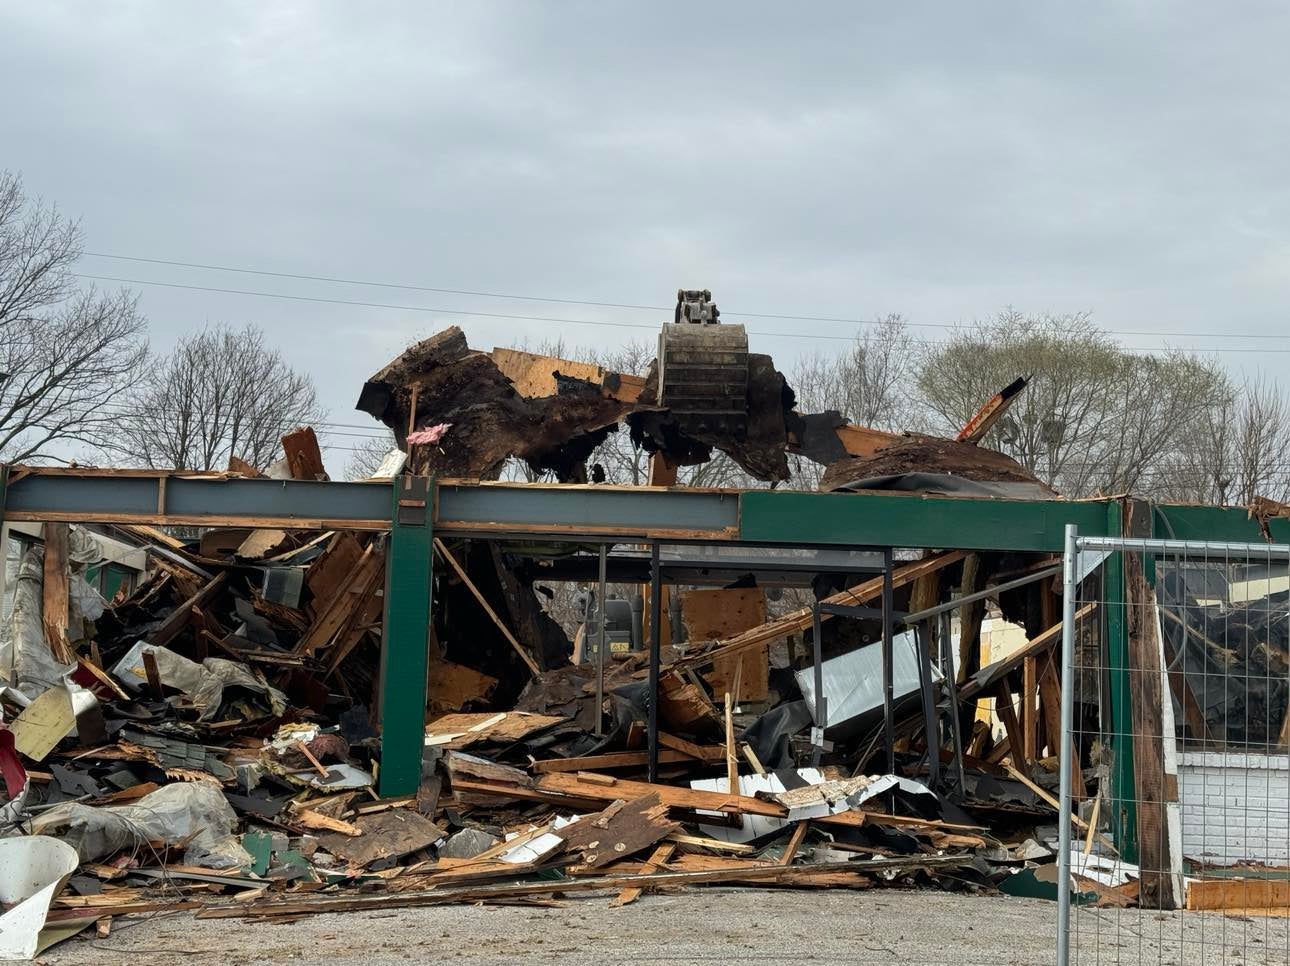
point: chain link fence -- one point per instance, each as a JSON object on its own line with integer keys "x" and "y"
{"x": 1175, "y": 762}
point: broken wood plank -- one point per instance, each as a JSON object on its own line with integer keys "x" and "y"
{"x": 1007, "y": 713}
{"x": 657, "y": 862}
{"x": 303, "y": 455}
{"x": 1043, "y": 793}
{"x": 488, "y": 609}
{"x": 179, "y": 618}
{"x": 765, "y": 872}
{"x": 794, "y": 843}
{"x": 799, "y": 620}
{"x": 707, "y": 753}
{"x": 55, "y": 602}
{"x": 337, "y": 611}
{"x": 1146, "y": 709}
{"x": 620, "y": 831}
{"x": 1245, "y": 896}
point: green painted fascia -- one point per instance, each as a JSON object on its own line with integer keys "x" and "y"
{"x": 880, "y": 519}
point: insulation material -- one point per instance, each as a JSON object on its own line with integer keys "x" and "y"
{"x": 203, "y": 683}
{"x": 191, "y": 812}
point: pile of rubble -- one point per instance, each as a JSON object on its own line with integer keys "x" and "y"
{"x": 208, "y": 741}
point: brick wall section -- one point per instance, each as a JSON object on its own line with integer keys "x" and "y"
{"x": 1235, "y": 807}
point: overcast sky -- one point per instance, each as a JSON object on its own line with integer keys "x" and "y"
{"x": 843, "y": 159}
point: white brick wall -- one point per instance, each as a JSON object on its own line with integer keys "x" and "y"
{"x": 1235, "y": 807}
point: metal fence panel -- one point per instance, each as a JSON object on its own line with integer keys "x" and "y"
{"x": 1175, "y": 754}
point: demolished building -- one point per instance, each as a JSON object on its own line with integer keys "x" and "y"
{"x": 350, "y": 695}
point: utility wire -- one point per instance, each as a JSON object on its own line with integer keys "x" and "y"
{"x": 539, "y": 318}
{"x": 341, "y": 280}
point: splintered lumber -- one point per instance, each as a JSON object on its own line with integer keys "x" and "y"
{"x": 336, "y": 612}
{"x": 764, "y": 872}
{"x": 54, "y": 612}
{"x": 707, "y": 753}
{"x": 178, "y": 618}
{"x": 970, "y": 617}
{"x": 525, "y": 656}
{"x": 1146, "y": 706}
{"x": 657, "y": 862}
{"x": 584, "y": 786}
{"x": 304, "y": 457}
{"x": 800, "y": 620}
{"x": 621, "y": 830}
{"x": 794, "y": 842}
{"x": 1075, "y": 819}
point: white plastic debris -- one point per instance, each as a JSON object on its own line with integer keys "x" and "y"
{"x": 33, "y": 869}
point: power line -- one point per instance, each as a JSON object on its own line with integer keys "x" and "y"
{"x": 653, "y": 327}
{"x": 341, "y": 280}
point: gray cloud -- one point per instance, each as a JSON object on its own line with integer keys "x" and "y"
{"x": 940, "y": 160}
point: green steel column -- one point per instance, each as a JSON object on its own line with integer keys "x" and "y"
{"x": 407, "y": 637}
{"x": 1124, "y": 817}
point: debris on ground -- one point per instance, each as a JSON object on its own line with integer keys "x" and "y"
{"x": 208, "y": 741}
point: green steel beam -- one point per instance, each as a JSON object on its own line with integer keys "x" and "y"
{"x": 1215, "y": 523}
{"x": 910, "y": 520}
{"x": 1123, "y": 818}
{"x": 409, "y": 563}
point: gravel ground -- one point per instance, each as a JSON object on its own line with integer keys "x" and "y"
{"x": 722, "y": 926}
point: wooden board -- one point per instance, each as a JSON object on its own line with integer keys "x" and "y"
{"x": 456, "y": 731}
{"x": 328, "y": 573}
{"x": 711, "y": 615}
{"x": 179, "y": 618}
{"x": 332, "y": 614}
{"x": 391, "y": 834}
{"x": 1244, "y": 896}
{"x": 533, "y": 375}
{"x": 451, "y": 686}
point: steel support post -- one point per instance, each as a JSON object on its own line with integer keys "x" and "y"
{"x": 817, "y": 651}
{"x": 888, "y": 685}
{"x": 1070, "y": 562}
{"x": 406, "y": 640}
{"x": 655, "y": 656}
{"x": 601, "y": 644}
{"x": 930, "y": 726}
{"x": 948, "y": 656}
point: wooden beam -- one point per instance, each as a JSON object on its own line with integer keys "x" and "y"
{"x": 1145, "y": 701}
{"x": 55, "y": 605}
{"x": 799, "y": 620}
{"x": 488, "y": 609}
{"x": 1007, "y": 713}
{"x": 178, "y": 618}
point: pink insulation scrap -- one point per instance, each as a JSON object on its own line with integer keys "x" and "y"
{"x": 431, "y": 435}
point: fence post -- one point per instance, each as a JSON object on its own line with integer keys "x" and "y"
{"x": 1070, "y": 560}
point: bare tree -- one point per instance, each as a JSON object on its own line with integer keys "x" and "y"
{"x": 366, "y": 458}
{"x": 220, "y": 393}
{"x": 67, "y": 355}
{"x": 870, "y": 383}
{"x": 1240, "y": 449}
{"x": 1095, "y": 418}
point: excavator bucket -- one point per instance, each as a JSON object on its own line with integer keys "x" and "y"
{"x": 703, "y": 368}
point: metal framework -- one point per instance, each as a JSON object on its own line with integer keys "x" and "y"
{"x": 414, "y": 511}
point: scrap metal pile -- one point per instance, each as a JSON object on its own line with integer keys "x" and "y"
{"x": 208, "y": 740}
